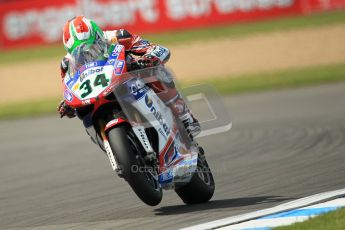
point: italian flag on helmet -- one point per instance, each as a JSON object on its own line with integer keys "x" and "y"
{"x": 80, "y": 30}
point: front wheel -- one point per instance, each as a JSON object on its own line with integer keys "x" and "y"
{"x": 141, "y": 177}
{"x": 201, "y": 187}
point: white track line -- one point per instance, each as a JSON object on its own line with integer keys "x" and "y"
{"x": 266, "y": 224}
{"x": 288, "y": 217}
{"x": 299, "y": 203}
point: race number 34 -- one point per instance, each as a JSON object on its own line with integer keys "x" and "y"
{"x": 100, "y": 80}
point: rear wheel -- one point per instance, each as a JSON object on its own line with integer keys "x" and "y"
{"x": 201, "y": 187}
{"x": 141, "y": 176}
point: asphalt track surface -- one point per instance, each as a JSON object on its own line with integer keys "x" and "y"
{"x": 283, "y": 145}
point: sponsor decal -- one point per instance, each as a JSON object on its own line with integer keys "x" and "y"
{"x": 119, "y": 67}
{"x": 160, "y": 52}
{"x": 91, "y": 64}
{"x": 67, "y": 95}
{"x": 110, "y": 155}
{"x": 118, "y": 49}
{"x": 141, "y": 133}
{"x": 157, "y": 115}
{"x": 69, "y": 81}
{"x": 138, "y": 89}
{"x": 76, "y": 87}
{"x": 145, "y": 43}
{"x": 91, "y": 71}
{"x": 114, "y": 55}
{"x": 166, "y": 176}
{"x": 86, "y": 102}
{"x": 110, "y": 61}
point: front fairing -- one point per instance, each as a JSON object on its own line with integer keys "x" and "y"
{"x": 89, "y": 83}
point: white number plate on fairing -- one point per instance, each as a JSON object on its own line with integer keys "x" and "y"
{"x": 92, "y": 82}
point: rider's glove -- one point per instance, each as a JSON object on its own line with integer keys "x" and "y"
{"x": 65, "y": 110}
{"x": 148, "y": 60}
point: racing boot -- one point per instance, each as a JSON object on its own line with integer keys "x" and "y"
{"x": 191, "y": 124}
{"x": 180, "y": 109}
{"x": 169, "y": 95}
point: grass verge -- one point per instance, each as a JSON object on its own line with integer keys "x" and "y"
{"x": 330, "y": 221}
{"x": 277, "y": 80}
{"x": 204, "y": 34}
{"x": 28, "y": 109}
{"x": 224, "y": 85}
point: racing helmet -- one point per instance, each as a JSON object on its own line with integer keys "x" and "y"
{"x": 80, "y": 30}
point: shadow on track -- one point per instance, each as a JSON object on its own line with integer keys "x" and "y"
{"x": 219, "y": 204}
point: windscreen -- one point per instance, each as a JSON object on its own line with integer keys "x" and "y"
{"x": 87, "y": 53}
{"x": 202, "y": 99}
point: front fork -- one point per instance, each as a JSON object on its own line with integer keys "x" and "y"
{"x": 139, "y": 132}
{"x": 108, "y": 149}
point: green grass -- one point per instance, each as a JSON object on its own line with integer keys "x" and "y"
{"x": 29, "y": 108}
{"x": 330, "y": 221}
{"x": 224, "y": 85}
{"x": 204, "y": 34}
{"x": 29, "y": 54}
{"x": 278, "y": 79}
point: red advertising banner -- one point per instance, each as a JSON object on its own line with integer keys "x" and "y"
{"x": 34, "y": 22}
{"x": 309, "y": 6}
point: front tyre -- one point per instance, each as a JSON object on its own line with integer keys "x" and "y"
{"x": 201, "y": 187}
{"x": 140, "y": 176}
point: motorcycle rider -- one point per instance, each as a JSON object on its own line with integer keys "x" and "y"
{"x": 140, "y": 53}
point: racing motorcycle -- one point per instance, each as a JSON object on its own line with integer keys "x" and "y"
{"x": 145, "y": 143}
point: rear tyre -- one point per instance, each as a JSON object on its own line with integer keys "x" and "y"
{"x": 141, "y": 177}
{"x": 201, "y": 187}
